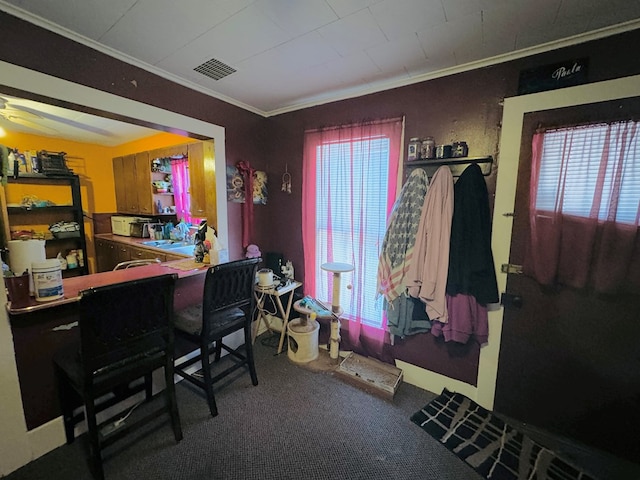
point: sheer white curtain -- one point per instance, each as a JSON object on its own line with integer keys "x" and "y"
{"x": 349, "y": 187}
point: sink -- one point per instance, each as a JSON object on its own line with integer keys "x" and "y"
{"x": 157, "y": 243}
{"x": 174, "y": 246}
{"x": 166, "y": 244}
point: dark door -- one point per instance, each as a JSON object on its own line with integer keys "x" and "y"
{"x": 569, "y": 360}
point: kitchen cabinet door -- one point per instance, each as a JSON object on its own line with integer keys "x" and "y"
{"x": 202, "y": 177}
{"x": 119, "y": 175}
{"x": 105, "y": 255}
{"x": 143, "y": 183}
{"x": 136, "y": 253}
{"x": 129, "y": 182}
{"x": 122, "y": 253}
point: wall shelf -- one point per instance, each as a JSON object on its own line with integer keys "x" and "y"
{"x": 41, "y": 216}
{"x": 456, "y": 165}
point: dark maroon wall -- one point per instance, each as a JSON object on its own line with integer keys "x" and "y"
{"x": 465, "y": 106}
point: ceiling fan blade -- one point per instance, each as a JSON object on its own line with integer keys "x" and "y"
{"x": 22, "y": 112}
{"x": 29, "y": 124}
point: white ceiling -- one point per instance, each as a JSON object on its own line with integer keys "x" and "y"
{"x": 289, "y": 54}
{"x": 17, "y": 114}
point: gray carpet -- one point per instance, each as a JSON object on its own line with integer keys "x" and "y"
{"x": 296, "y": 424}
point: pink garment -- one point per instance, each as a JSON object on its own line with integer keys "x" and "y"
{"x": 466, "y": 317}
{"x": 426, "y": 277}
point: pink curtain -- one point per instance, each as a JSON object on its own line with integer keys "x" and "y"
{"x": 595, "y": 250}
{"x": 325, "y": 166}
{"x": 180, "y": 178}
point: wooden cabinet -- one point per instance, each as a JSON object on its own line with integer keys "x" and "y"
{"x": 105, "y": 255}
{"x": 40, "y": 217}
{"x": 132, "y": 175}
{"x": 137, "y": 253}
{"x": 143, "y": 186}
{"x": 202, "y": 176}
{"x": 135, "y": 175}
{"x": 120, "y": 175}
{"x": 161, "y": 171}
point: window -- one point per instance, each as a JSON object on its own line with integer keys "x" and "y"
{"x": 585, "y": 207}
{"x": 349, "y": 188}
{"x": 181, "y": 185}
{"x": 591, "y": 171}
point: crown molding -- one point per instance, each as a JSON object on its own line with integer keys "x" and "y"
{"x": 332, "y": 96}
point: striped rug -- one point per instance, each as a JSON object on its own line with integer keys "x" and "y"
{"x": 489, "y": 445}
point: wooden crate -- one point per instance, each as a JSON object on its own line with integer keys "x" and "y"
{"x": 371, "y": 374}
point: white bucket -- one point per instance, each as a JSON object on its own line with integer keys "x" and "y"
{"x": 303, "y": 340}
{"x": 47, "y": 280}
{"x": 22, "y": 253}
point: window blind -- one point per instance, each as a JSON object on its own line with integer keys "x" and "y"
{"x": 352, "y": 178}
{"x": 591, "y": 171}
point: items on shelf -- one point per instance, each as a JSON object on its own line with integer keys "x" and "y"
{"x": 65, "y": 229}
{"x": 443, "y": 151}
{"x": 59, "y": 227}
{"x": 32, "y": 201}
{"x": 426, "y": 149}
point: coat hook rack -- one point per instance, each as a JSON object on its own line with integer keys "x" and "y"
{"x": 457, "y": 165}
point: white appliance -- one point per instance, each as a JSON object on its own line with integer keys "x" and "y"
{"x": 121, "y": 225}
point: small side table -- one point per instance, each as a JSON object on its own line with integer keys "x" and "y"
{"x": 261, "y": 294}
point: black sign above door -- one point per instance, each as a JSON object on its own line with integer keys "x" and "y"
{"x": 549, "y": 77}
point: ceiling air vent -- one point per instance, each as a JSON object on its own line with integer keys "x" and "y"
{"x": 215, "y": 69}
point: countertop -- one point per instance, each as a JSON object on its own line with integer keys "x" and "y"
{"x": 185, "y": 268}
{"x": 135, "y": 242}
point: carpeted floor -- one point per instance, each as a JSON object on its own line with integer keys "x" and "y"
{"x": 298, "y": 423}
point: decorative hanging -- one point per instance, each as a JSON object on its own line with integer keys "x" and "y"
{"x": 286, "y": 180}
{"x": 247, "y": 172}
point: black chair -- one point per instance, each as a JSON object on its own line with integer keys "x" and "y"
{"x": 228, "y": 306}
{"x": 126, "y": 332}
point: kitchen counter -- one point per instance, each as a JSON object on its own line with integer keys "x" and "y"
{"x": 140, "y": 243}
{"x": 113, "y": 249}
{"x": 73, "y": 286}
{"x": 42, "y": 328}
{"x": 131, "y": 241}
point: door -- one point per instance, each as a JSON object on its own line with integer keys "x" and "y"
{"x": 569, "y": 360}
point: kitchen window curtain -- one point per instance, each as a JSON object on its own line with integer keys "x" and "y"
{"x": 349, "y": 187}
{"x": 585, "y": 207}
{"x": 181, "y": 185}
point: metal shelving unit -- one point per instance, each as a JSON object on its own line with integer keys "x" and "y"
{"x": 13, "y": 215}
